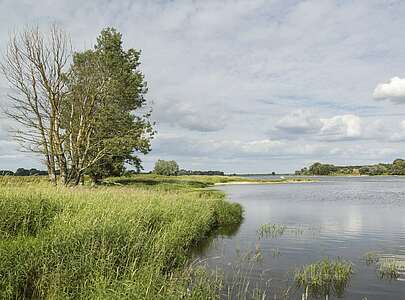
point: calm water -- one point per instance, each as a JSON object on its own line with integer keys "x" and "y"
{"x": 338, "y": 216}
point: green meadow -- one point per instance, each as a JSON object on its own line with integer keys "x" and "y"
{"x": 129, "y": 238}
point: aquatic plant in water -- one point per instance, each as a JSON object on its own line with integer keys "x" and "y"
{"x": 271, "y": 230}
{"x": 324, "y": 278}
{"x": 388, "y": 267}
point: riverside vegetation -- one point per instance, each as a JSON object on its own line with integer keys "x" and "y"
{"x": 129, "y": 238}
{"x": 397, "y": 167}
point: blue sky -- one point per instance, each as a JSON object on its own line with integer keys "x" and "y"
{"x": 249, "y": 86}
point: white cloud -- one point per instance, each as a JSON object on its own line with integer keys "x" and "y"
{"x": 191, "y": 116}
{"x": 261, "y": 146}
{"x": 299, "y": 121}
{"x": 341, "y": 127}
{"x": 308, "y": 125}
{"x": 308, "y": 59}
{"x": 399, "y": 136}
{"x": 394, "y": 90}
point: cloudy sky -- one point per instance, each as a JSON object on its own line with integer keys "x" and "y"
{"x": 249, "y": 86}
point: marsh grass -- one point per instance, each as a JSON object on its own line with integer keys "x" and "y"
{"x": 388, "y": 267}
{"x": 324, "y": 278}
{"x": 238, "y": 284}
{"x": 271, "y": 230}
{"x": 371, "y": 257}
{"x": 124, "y": 240}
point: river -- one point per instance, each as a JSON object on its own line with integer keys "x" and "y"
{"x": 344, "y": 217}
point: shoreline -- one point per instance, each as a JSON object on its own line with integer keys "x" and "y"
{"x": 263, "y": 182}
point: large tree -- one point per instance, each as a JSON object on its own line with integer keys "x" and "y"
{"x": 89, "y": 117}
{"x": 119, "y": 126}
{"x": 35, "y": 66}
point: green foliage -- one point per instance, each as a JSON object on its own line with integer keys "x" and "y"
{"x": 396, "y": 168}
{"x": 196, "y": 172}
{"x": 166, "y": 167}
{"x": 120, "y": 129}
{"x": 388, "y": 267}
{"x": 271, "y": 230}
{"x": 325, "y": 278}
{"x": 322, "y": 169}
{"x": 123, "y": 242}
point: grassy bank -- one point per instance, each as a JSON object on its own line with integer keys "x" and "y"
{"x": 199, "y": 181}
{"x": 128, "y": 239}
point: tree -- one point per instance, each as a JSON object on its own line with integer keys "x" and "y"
{"x": 83, "y": 118}
{"x": 398, "y": 167}
{"x": 107, "y": 85}
{"x": 22, "y": 172}
{"x": 35, "y": 68}
{"x": 322, "y": 169}
{"x": 167, "y": 168}
{"x": 6, "y": 173}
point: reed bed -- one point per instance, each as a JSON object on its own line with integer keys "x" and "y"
{"x": 129, "y": 239}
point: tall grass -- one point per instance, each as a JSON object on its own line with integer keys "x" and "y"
{"x": 324, "y": 278}
{"x": 113, "y": 242}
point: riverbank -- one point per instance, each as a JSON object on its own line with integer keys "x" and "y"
{"x": 129, "y": 238}
{"x": 243, "y": 181}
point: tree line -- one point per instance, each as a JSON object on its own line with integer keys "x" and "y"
{"x": 23, "y": 172}
{"x": 85, "y": 111}
{"x": 397, "y": 167}
{"x": 171, "y": 168}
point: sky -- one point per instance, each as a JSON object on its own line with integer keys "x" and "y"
{"x": 248, "y": 86}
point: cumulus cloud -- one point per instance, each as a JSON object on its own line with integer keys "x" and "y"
{"x": 233, "y": 148}
{"x": 309, "y": 125}
{"x": 393, "y": 90}
{"x": 299, "y": 122}
{"x": 399, "y": 136}
{"x": 191, "y": 116}
{"x": 295, "y": 54}
{"x": 261, "y": 146}
{"x": 341, "y": 127}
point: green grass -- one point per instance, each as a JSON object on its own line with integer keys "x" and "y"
{"x": 196, "y": 180}
{"x": 324, "y": 278}
{"x": 128, "y": 239}
{"x": 271, "y": 230}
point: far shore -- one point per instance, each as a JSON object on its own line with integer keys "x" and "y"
{"x": 265, "y": 182}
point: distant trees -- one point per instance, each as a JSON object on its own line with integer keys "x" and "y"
{"x": 379, "y": 169}
{"x": 166, "y": 167}
{"x": 84, "y": 117}
{"x": 171, "y": 168}
{"x": 208, "y": 173}
{"x": 322, "y": 169}
{"x": 30, "y": 172}
{"x": 23, "y": 172}
{"x": 6, "y": 173}
{"x": 396, "y": 168}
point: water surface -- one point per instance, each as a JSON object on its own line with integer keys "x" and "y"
{"x": 337, "y": 217}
